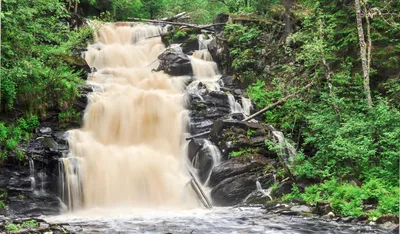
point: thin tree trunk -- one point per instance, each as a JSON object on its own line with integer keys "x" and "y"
{"x": 363, "y": 54}
{"x": 368, "y": 36}
{"x": 288, "y": 22}
{"x": 76, "y": 7}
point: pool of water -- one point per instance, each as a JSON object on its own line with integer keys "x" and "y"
{"x": 217, "y": 220}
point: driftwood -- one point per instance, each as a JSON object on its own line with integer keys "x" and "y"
{"x": 275, "y": 104}
{"x": 178, "y": 23}
{"x": 199, "y": 191}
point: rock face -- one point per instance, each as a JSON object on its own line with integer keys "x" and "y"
{"x": 30, "y": 187}
{"x": 205, "y": 108}
{"x": 32, "y": 190}
{"x": 174, "y": 62}
{"x": 248, "y": 160}
{"x": 235, "y": 179}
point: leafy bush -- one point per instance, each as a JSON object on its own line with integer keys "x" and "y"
{"x": 348, "y": 199}
{"x": 34, "y": 38}
{"x": 2, "y": 205}
{"x": 12, "y": 227}
{"x": 13, "y": 134}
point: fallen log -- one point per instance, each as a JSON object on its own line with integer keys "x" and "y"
{"x": 177, "y": 23}
{"x": 177, "y": 16}
{"x": 273, "y": 105}
{"x": 199, "y": 191}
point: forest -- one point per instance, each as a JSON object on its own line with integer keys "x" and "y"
{"x": 345, "y": 125}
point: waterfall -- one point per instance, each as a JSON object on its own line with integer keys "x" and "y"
{"x": 128, "y": 151}
{"x": 203, "y": 55}
{"x": 235, "y": 107}
{"x": 203, "y": 42}
{"x": 287, "y": 151}
{"x": 246, "y": 103}
{"x": 32, "y": 173}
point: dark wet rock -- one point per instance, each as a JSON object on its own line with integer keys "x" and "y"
{"x": 322, "y": 208}
{"x": 234, "y": 135}
{"x": 236, "y": 166}
{"x": 34, "y": 194}
{"x": 206, "y": 107}
{"x": 388, "y": 218}
{"x": 174, "y": 62}
{"x": 218, "y": 51}
{"x": 230, "y": 82}
{"x": 234, "y": 189}
{"x": 283, "y": 188}
{"x": 190, "y": 45}
{"x": 233, "y": 180}
{"x": 82, "y": 100}
{"x": 32, "y": 203}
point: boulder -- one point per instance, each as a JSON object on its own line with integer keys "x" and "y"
{"x": 218, "y": 50}
{"x": 82, "y": 100}
{"x": 174, "y": 62}
{"x": 234, "y": 135}
{"x": 205, "y": 107}
{"x": 233, "y": 180}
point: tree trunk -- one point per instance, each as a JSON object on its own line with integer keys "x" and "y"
{"x": 288, "y": 22}
{"x": 363, "y": 54}
{"x": 76, "y": 7}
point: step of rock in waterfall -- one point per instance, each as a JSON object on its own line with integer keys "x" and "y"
{"x": 128, "y": 152}
{"x": 206, "y": 72}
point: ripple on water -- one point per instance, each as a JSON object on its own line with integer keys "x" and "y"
{"x": 218, "y": 220}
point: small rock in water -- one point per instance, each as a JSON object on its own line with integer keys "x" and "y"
{"x": 330, "y": 215}
{"x": 45, "y": 130}
{"x": 301, "y": 209}
{"x": 347, "y": 219}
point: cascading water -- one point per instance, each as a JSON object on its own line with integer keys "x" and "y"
{"x": 128, "y": 152}
{"x": 235, "y": 106}
{"x": 287, "y": 151}
{"x": 246, "y": 103}
{"x": 32, "y": 173}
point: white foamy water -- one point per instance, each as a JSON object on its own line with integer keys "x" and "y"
{"x": 128, "y": 152}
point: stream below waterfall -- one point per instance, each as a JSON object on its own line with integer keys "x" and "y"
{"x": 217, "y": 220}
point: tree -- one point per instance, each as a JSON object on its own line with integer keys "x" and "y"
{"x": 364, "y": 50}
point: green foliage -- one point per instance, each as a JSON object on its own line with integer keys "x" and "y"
{"x": 348, "y": 199}
{"x": 180, "y": 34}
{"x": 245, "y": 51}
{"x": 27, "y": 224}
{"x": 241, "y": 152}
{"x": 30, "y": 223}
{"x": 34, "y": 76}
{"x": 2, "y": 205}
{"x": 12, "y": 227}
{"x": 13, "y": 134}
{"x": 250, "y": 133}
